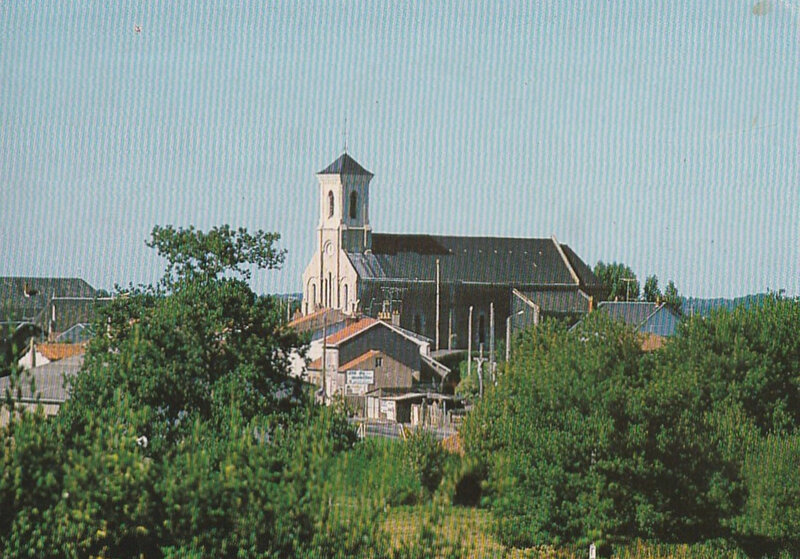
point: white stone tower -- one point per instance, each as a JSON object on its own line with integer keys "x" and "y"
{"x": 330, "y": 281}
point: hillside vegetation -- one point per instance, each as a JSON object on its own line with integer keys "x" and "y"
{"x": 185, "y": 437}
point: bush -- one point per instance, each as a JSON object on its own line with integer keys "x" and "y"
{"x": 424, "y": 456}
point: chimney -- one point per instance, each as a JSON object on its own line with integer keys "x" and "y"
{"x": 396, "y": 318}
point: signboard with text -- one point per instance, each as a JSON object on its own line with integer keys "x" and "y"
{"x": 360, "y": 377}
{"x": 388, "y": 406}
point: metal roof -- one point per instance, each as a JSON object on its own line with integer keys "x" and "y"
{"x": 31, "y": 299}
{"x": 345, "y": 165}
{"x": 561, "y": 301}
{"x": 645, "y": 317}
{"x": 48, "y": 381}
{"x": 481, "y": 260}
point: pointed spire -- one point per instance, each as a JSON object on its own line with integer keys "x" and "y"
{"x": 345, "y": 165}
{"x": 345, "y": 135}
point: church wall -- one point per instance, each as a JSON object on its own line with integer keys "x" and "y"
{"x": 417, "y": 302}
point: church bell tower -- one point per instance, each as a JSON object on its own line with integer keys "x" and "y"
{"x": 344, "y": 206}
{"x": 330, "y": 280}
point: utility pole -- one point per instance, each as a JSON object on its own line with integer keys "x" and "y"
{"x": 450, "y": 330}
{"x": 480, "y": 361}
{"x": 492, "y": 356}
{"x": 628, "y": 282}
{"x": 469, "y": 344}
{"x": 437, "y": 304}
{"x": 508, "y": 340}
{"x": 324, "y": 355}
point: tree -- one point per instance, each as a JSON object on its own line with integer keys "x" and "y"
{"x": 651, "y": 294}
{"x": 619, "y": 280}
{"x": 585, "y": 440}
{"x": 183, "y": 435}
{"x": 193, "y": 254}
{"x": 672, "y": 298}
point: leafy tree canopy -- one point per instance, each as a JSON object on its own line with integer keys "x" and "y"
{"x": 587, "y": 438}
{"x": 183, "y": 435}
{"x": 619, "y": 279}
{"x": 651, "y": 293}
{"x": 191, "y": 253}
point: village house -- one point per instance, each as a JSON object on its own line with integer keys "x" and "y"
{"x": 371, "y": 354}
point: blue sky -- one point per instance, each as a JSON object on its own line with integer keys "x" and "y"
{"x": 660, "y": 134}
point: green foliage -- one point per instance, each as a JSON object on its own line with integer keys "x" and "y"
{"x": 615, "y": 278}
{"x": 772, "y": 475}
{"x": 192, "y": 254}
{"x": 375, "y": 471}
{"x": 585, "y": 444}
{"x": 183, "y": 435}
{"x": 424, "y": 456}
{"x": 586, "y": 438}
{"x": 746, "y": 358}
{"x": 469, "y": 386}
{"x": 672, "y": 298}
{"x": 187, "y": 355}
{"x": 651, "y": 293}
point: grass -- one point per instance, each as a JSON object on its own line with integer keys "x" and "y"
{"x": 472, "y": 529}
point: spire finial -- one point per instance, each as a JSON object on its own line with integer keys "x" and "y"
{"x": 345, "y": 134}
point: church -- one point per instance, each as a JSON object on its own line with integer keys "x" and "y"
{"x": 445, "y": 288}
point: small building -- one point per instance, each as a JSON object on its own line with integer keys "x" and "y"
{"x": 412, "y": 407}
{"x": 371, "y": 354}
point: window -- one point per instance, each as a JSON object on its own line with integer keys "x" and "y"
{"x": 330, "y": 203}
{"x": 345, "y": 298}
{"x": 379, "y": 361}
{"x": 353, "y": 205}
{"x": 482, "y": 329}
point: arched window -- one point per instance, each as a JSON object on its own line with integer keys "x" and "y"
{"x": 345, "y": 298}
{"x": 313, "y": 295}
{"x": 353, "y": 205}
{"x": 330, "y": 203}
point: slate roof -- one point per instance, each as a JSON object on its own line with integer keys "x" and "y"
{"x": 345, "y": 165}
{"x": 73, "y": 297}
{"x": 649, "y": 318}
{"x": 482, "y": 260}
{"x": 48, "y": 381}
{"x": 572, "y": 301}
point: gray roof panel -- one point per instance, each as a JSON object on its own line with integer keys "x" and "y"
{"x": 486, "y": 260}
{"x": 345, "y": 165}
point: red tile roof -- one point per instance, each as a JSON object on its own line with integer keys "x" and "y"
{"x": 315, "y": 365}
{"x": 351, "y": 330}
{"x": 352, "y": 364}
{"x": 55, "y": 351}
